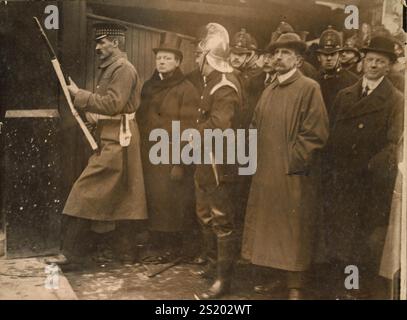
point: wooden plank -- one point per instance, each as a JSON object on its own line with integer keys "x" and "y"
{"x": 190, "y": 7}
{"x": 130, "y": 24}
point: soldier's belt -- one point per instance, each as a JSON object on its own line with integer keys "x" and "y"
{"x": 125, "y": 133}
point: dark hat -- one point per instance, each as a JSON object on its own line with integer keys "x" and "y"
{"x": 330, "y": 41}
{"x": 351, "y": 44}
{"x": 102, "y": 30}
{"x": 382, "y": 45}
{"x": 243, "y": 42}
{"x": 289, "y": 40}
{"x": 171, "y": 42}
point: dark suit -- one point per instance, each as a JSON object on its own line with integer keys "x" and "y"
{"x": 362, "y": 166}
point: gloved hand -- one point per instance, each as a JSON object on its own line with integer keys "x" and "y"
{"x": 177, "y": 173}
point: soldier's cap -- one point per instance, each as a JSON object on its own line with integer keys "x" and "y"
{"x": 103, "y": 30}
{"x": 330, "y": 41}
{"x": 243, "y": 42}
{"x": 171, "y": 42}
{"x": 382, "y": 45}
{"x": 289, "y": 40}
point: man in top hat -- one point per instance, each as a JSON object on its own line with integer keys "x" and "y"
{"x": 350, "y": 56}
{"x": 292, "y": 124}
{"x": 365, "y": 130}
{"x": 166, "y": 97}
{"x": 220, "y": 103}
{"x": 332, "y": 77}
{"x": 109, "y": 194}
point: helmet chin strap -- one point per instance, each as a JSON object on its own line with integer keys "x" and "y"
{"x": 201, "y": 67}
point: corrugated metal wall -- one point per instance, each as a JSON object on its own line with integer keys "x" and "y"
{"x": 140, "y": 40}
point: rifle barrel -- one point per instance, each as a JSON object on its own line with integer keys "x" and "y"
{"x": 44, "y": 36}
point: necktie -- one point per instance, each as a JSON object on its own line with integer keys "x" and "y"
{"x": 365, "y": 91}
{"x": 268, "y": 80}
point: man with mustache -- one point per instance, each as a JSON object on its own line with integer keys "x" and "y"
{"x": 109, "y": 194}
{"x": 292, "y": 124}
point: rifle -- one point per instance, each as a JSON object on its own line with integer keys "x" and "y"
{"x": 62, "y": 82}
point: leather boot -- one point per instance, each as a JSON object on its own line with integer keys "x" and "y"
{"x": 225, "y": 262}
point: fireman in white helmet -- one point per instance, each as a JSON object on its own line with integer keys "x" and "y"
{"x": 219, "y": 109}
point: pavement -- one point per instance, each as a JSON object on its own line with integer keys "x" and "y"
{"x": 26, "y": 279}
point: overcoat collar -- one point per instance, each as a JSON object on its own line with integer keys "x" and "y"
{"x": 112, "y": 59}
{"x": 297, "y": 74}
{"x": 353, "y": 105}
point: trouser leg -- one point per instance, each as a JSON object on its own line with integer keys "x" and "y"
{"x": 216, "y": 214}
{"x": 77, "y": 239}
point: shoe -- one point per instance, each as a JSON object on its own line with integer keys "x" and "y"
{"x": 295, "y": 294}
{"x": 268, "y": 288}
{"x": 208, "y": 271}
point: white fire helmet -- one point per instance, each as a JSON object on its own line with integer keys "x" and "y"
{"x": 215, "y": 47}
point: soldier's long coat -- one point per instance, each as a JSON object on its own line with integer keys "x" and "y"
{"x": 109, "y": 189}
{"x": 292, "y": 124}
{"x": 362, "y": 152}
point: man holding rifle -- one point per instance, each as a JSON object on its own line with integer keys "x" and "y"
{"x": 109, "y": 194}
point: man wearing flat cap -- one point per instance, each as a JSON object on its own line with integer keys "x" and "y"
{"x": 292, "y": 124}
{"x": 109, "y": 194}
{"x": 366, "y": 128}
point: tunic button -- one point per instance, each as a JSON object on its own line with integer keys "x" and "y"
{"x": 201, "y": 97}
{"x": 199, "y": 110}
{"x": 361, "y": 126}
{"x": 197, "y": 121}
{"x": 97, "y": 87}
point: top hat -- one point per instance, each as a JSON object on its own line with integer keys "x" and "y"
{"x": 243, "y": 42}
{"x": 382, "y": 45}
{"x": 289, "y": 40}
{"x": 330, "y": 41}
{"x": 103, "y": 30}
{"x": 171, "y": 42}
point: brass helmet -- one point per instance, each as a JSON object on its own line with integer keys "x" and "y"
{"x": 352, "y": 44}
{"x": 215, "y": 47}
{"x": 243, "y": 42}
{"x": 330, "y": 41}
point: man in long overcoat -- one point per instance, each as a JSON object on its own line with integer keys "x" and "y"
{"x": 365, "y": 131}
{"x": 167, "y": 97}
{"x": 109, "y": 194}
{"x": 292, "y": 124}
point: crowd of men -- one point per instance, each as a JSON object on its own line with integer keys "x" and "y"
{"x": 329, "y": 121}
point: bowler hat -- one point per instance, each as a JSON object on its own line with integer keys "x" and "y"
{"x": 103, "y": 30}
{"x": 171, "y": 42}
{"x": 289, "y": 40}
{"x": 382, "y": 45}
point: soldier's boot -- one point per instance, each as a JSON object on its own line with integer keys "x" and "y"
{"x": 77, "y": 244}
{"x": 208, "y": 255}
{"x": 224, "y": 268}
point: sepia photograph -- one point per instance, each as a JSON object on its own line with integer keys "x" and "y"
{"x": 233, "y": 150}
